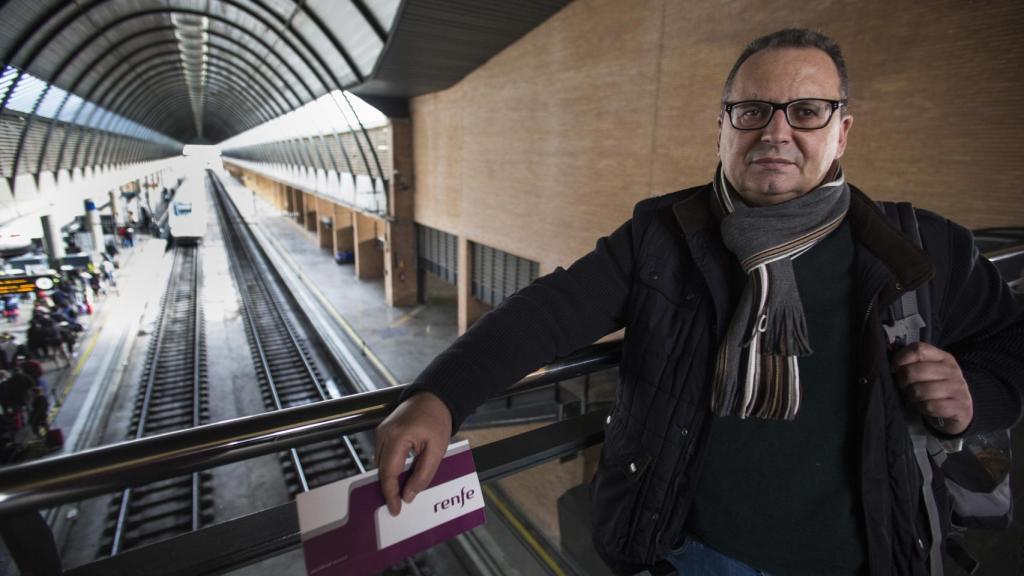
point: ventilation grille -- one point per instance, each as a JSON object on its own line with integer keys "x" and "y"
{"x": 497, "y": 275}
{"x": 437, "y": 252}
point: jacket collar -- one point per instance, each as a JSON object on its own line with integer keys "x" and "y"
{"x": 909, "y": 265}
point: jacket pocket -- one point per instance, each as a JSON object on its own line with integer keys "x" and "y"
{"x": 658, "y": 335}
{"x": 617, "y": 488}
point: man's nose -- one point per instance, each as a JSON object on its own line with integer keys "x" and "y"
{"x": 778, "y": 129}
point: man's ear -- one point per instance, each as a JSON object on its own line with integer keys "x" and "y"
{"x": 844, "y": 131}
{"x": 718, "y": 141}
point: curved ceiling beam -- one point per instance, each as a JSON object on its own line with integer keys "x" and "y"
{"x": 158, "y": 50}
{"x": 229, "y": 24}
{"x": 313, "y": 17}
{"x": 171, "y": 77}
{"x": 127, "y": 68}
{"x": 85, "y": 9}
{"x": 160, "y": 73}
{"x": 267, "y": 87}
{"x": 265, "y": 102}
{"x": 371, "y": 20}
{"x": 121, "y": 96}
{"x": 259, "y": 81}
{"x": 286, "y": 26}
{"x": 256, "y": 58}
{"x": 99, "y": 33}
{"x": 229, "y": 113}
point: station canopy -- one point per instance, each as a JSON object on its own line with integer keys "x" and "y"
{"x": 202, "y": 71}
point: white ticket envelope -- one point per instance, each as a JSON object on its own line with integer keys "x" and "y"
{"x": 347, "y": 529}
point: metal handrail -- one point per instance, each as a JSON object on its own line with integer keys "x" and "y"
{"x": 62, "y": 479}
{"x": 1005, "y": 253}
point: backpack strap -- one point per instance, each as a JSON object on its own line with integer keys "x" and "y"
{"x": 906, "y": 325}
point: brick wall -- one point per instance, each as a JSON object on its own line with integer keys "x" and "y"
{"x": 548, "y": 145}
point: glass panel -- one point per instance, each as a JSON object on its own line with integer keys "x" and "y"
{"x": 536, "y": 521}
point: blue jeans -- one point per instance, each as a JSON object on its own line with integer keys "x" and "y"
{"x": 695, "y": 559}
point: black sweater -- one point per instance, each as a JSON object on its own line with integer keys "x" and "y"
{"x": 783, "y": 496}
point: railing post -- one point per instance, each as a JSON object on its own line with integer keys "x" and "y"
{"x": 31, "y": 545}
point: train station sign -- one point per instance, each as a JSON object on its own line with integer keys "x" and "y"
{"x": 25, "y": 284}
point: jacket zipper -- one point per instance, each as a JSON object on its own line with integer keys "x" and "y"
{"x": 871, "y": 306}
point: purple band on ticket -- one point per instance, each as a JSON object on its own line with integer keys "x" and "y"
{"x": 366, "y": 539}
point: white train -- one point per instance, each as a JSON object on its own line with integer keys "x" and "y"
{"x": 186, "y": 219}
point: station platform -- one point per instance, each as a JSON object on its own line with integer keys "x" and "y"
{"x": 399, "y": 341}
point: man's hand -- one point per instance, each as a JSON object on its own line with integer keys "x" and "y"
{"x": 423, "y": 425}
{"x": 931, "y": 379}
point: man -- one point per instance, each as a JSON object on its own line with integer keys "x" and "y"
{"x": 759, "y": 422}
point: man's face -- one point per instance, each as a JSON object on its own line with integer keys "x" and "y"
{"x": 778, "y": 162}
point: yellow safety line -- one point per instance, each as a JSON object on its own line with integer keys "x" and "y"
{"x": 408, "y": 317}
{"x": 334, "y": 313}
{"x": 532, "y": 542}
{"x": 78, "y": 369}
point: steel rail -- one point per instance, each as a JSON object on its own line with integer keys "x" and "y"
{"x": 187, "y": 261}
{"x": 247, "y": 265}
{"x": 198, "y": 359}
{"x": 140, "y": 428}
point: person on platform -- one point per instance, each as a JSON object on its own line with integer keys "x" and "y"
{"x": 759, "y": 420}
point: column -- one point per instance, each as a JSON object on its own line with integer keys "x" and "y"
{"x": 92, "y": 223}
{"x": 325, "y": 223}
{"x": 309, "y": 201}
{"x": 400, "y": 278}
{"x": 300, "y": 208}
{"x": 53, "y": 240}
{"x": 114, "y": 211}
{"x": 470, "y": 308}
{"x": 344, "y": 233}
{"x": 369, "y": 259}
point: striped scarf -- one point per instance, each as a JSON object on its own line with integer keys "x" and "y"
{"x": 756, "y": 372}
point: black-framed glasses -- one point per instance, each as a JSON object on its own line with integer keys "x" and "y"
{"x": 803, "y": 114}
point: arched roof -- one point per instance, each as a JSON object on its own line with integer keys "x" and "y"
{"x": 171, "y": 65}
{"x": 199, "y": 71}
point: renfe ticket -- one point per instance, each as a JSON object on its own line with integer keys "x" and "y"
{"x": 347, "y": 530}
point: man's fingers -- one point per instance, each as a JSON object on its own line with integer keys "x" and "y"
{"x": 947, "y": 409}
{"x": 932, "y": 380}
{"x": 918, "y": 352}
{"x": 924, "y": 372}
{"x": 427, "y": 462}
{"x": 934, "y": 391}
{"x": 422, "y": 424}
{"x": 391, "y": 462}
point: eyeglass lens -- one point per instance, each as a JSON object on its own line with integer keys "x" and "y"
{"x": 808, "y": 114}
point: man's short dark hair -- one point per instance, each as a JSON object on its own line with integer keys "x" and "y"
{"x": 793, "y": 38}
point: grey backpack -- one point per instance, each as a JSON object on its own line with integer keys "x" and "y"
{"x": 976, "y": 468}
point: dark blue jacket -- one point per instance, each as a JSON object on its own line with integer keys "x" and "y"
{"x": 667, "y": 278}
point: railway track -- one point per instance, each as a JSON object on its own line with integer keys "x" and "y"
{"x": 285, "y": 369}
{"x": 172, "y": 396}
{"x": 287, "y": 374}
